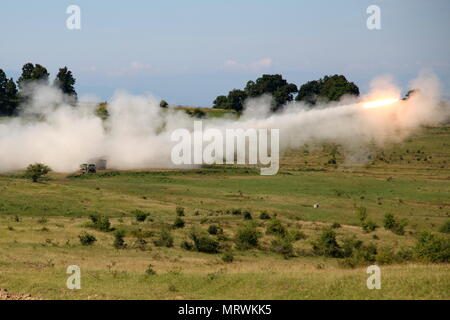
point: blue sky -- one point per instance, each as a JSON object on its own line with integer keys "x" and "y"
{"x": 188, "y": 52}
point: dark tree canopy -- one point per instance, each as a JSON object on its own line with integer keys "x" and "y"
{"x": 31, "y": 73}
{"x": 65, "y": 81}
{"x": 164, "y": 104}
{"x": 281, "y": 91}
{"x": 235, "y": 100}
{"x": 8, "y": 95}
{"x": 329, "y": 88}
{"x": 220, "y": 102}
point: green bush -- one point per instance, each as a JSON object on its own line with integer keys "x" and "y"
{"x": 187, "y": 245}
{"x": 445, "y": 228}
{"x": 150, "y": 271}
{"x": 283, "y": 246}
{"x": 248, "y": 215}
{"x": 165, "y": 239}
{"x": 179, "y": 223}
{"x": 36, "y": 171}
{"x": 204, "y": 243}
{"x": 100, "y": 223}
{"x": 247, "y": 237}
{"x": 404, "y": 254}
{"x": 385, "y": 255}
{"x": 335, "y": 225}
{"x": 86, "y": 239}
{"x": 119, "y": 242}
{"x": 432, "y": 248}
{"x": 264, "y": 215}
{"x": 180, "y": 211}
{"x": 236, "y": 212}
{"x": 297, "y": 235}
{"x": 214, "y": 229}
{"x": 392, "y": 224}
{"x": 275, "y": 227}
{"x": 140, "y": 215}
{"x": 369, "y": 226}
{"x": 356, "y": 253}
{"x": 228, "y": 257}
{"x": 326, "y": 245}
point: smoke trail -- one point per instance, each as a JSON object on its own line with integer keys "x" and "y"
{"x": 137, "y": 133}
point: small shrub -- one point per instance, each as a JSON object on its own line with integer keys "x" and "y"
{"x": 445, "y": 228}
{"x": 100, "y": 223}
{"x": 150, "y": 271}
{"x": 42, "y": 220}
{"x": 165, "y": 239}
{"x": 187, "y": 245}
{"x": 369, "y": 226}
{"x": 264, "y": 215}
{"x": 247, "y": 215}
{"x": 179, "y": 223}
{"x": 297, "y": 235}
{"x": 356, "y": 253}
{"x": 87, "y": 239}
{"x": 404, "y": 254}
{"x": 228, "y": 257}
{"x": 276, "y": 227}
{"x": 214, "y": 229}
{"x": 119, "y": 242}
{"x": 204, "y": 243}
{"x": 36, "y": 171}
{"x": 140, "y": 244}
{"x": 180, "y": 211}
{"x": 385, "y": 255}
{"x": 236, "y": 212}
{"x": 247, "y": 237}
{"x": 392, "y": 224}
{"x": 335, "y": 225}
{"x": 326, "y": 245}
{"x": 432, "y": 248}
{"x": 283, "y": 246}
{"x": 140, "y": 215}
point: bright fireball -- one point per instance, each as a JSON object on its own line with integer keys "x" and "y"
{"x": 379, "y": 103}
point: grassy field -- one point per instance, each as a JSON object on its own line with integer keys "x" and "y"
{"x": 40, "y": 224}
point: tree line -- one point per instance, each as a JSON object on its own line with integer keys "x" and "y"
{"x": 328, "y": 88}
{"x": 13, "y": 94}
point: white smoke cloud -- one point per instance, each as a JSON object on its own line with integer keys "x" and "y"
{"x": 137, "y": 133}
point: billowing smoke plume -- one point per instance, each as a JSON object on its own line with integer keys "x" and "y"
{"x": 137, "y": 133}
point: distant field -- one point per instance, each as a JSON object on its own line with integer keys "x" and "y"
{"x": 40, "y": 224}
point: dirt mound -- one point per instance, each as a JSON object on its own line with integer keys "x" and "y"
{"x": 5, "y": 295}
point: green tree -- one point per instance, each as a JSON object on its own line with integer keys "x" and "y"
{"x": 65, "y": 81}
{"x": 235, "y": 100}
{"x": 32, "y": 73}
{"x": 8, "y": 95}
{"x": 220, "y": 102}
{"x": 36, "y": 171}
{"x": 329, "y": 88}
{"x": 272, "y": 84}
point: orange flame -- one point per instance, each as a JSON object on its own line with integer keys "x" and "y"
{"x": 379, "y": 103}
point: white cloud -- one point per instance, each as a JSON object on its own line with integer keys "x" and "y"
{"x": 133, "y": 68}
{"x": 252, "y": 66}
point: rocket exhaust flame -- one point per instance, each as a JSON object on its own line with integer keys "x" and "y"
{"x": 380, "y": 103}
